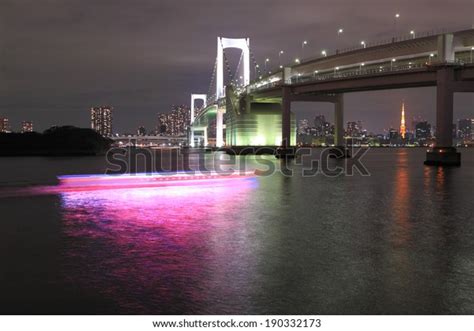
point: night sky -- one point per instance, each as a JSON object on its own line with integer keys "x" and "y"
{"x": 60, "y": 57}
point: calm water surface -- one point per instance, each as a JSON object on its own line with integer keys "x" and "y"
{"x": 398, "y": 242}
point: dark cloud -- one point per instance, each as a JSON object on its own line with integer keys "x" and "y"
{"x": 59, "y": 57}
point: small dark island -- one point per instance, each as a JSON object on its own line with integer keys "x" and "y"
{"x": 56, "y": 141}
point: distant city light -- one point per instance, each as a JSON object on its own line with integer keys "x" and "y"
{"x": 174, "y": 123}
{"x": 101, "y": 120}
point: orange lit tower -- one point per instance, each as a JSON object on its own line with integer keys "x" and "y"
{"x": 403, "y": 129}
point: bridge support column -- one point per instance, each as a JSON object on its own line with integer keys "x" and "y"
{"x": 444, "y": 153}
{"x": 339, "y": 121}
{"x": 219, "y": 128}
{"x": 339, "y": 150}
{"x": 286, "y": 117}
{"x": 191, "y": 138}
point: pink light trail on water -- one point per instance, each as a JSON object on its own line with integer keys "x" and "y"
{"x": 77, "y": 183}
{"x": 159, "y": 247}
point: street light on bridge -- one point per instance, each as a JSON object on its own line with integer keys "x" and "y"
{"x": 472, "y": 49}
{"x": 429, "y": 59}
{"x": 303, "y": 44}
{"x": 280, "y": 53}
{"x": 266, "y": 61}
{"x": 397, "y": 16}
{"x": 363, "y": 43}
{"x": 297, "y": 61}
{"x": 339, "y": 32}
{"x": 391, "y": 63}
{"x": 413, "y": 34}
{"x": 324, "y": 53}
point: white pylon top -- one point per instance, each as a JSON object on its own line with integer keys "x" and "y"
{"x": 223, "y": 43}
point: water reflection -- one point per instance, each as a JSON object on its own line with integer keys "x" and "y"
{"x": 401, "y": 202}
{"x": 400, "y": 241}
{"x": 175, "y": 243}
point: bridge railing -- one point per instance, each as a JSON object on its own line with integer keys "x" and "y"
{"x": 400, "y": 38}
{"x": 357, "y": 73}
{"x": 347, "y": 73}
{"x": 418, "y": 63}
{"x": 388, "y": 41}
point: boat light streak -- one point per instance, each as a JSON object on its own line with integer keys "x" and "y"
{"x": 96, "y": 182}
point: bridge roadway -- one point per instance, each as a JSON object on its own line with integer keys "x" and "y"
{"x": 443, "y": 61}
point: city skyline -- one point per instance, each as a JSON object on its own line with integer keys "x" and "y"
{"x": 142, "y": 75}
{"x": 181, "y": 115}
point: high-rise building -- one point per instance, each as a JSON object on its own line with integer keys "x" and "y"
{"x": 472, "y": 131}
{"x": 26, "y": 126}
{"x": 320, "y": 125}
{"x": 465, "y": 129}
{"x": 403, "y": 129}
{"x": 141, "y": 131}
{"x": 174, "y": 123}
{"x": 101, "y": 120}
{"x": 394, "y": 137}
{"x": 303, "y": 126}
{"x": 354, "y": 129}
{"x": 4, "y": 125}
{"x": 423, "y": 131}
{"x": 414, "y": 122}
{"x": 393, "y": 134}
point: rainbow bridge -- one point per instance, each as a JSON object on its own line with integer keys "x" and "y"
{"x": 258, "y": 113}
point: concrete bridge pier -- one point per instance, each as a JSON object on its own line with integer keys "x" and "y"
{"x": 444, "y": 153}
{"x": 192, "y": 135}
{"x": 220, "y": 128}
{"x": 339, "y": 120}
{"x": 336, "y": 99}
{"x": 286, "y": 117}
{"x": 339, "y": 150}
